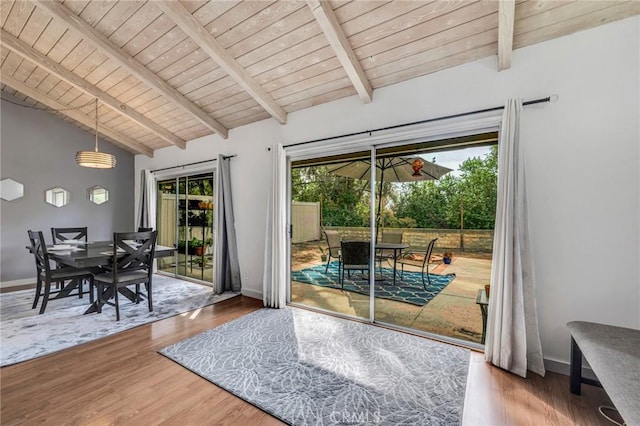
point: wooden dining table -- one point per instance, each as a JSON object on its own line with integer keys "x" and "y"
{"x": 94, "y": 255}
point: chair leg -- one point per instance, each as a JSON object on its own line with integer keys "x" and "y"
{"x": 38, "y": 290}
{"x": 137, "y": 293}
{"x": 80, "y": 288}
{"x": 326, "y": 269}
{"x": 115, "y": 295}
{"x": 149, "y": 286}
{"x": 45, "y": 297}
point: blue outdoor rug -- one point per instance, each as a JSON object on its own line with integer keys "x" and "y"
{"x": 408, "y": 290}
{"x": 311, "y": 369}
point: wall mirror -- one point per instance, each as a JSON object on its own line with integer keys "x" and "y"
{"x": 58, "y": 197}
{"x": 10, "y": 189}
{"x": 98, "y": 194}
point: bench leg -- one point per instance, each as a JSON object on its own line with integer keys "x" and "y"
{"x": 575, "y": 377}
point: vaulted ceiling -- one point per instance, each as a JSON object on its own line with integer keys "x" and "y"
{"x": 169, "y": 72}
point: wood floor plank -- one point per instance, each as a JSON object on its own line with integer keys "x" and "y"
{"x": 122, "y": 379}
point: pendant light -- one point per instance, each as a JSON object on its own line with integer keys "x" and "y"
{"x": 96, "y": 159}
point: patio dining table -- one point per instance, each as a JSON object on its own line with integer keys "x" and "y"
{"x": 94, "y": 255}
{"x": 397, "y": 251}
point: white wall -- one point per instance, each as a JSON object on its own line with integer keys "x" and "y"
{"x": 582, "y": 163}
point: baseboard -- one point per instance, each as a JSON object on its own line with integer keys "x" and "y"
{"x": 15, "y": 283}
{"x": 252, "y": 293}
{"x": 563, "y": 367}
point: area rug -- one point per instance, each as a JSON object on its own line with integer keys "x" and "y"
{"x": 408, "y": 290}
{"x": 26, "y": 335}
{"x": 307, "y": 368}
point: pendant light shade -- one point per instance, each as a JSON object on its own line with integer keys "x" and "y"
{"x": 96, "y": 159}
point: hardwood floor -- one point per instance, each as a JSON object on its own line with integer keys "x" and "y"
{"x": 122, "y": 379}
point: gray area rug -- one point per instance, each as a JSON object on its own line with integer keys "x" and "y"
{"x": 311, "y": 369}
{"x": 26, "y": 335}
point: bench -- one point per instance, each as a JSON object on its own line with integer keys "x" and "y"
{"x": 614, "y": 356}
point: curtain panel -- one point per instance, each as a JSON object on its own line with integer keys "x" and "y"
{"x": 148, "y": 204}
{"x": 227, "y": 267}
{"x": 276, "y": 265}
{"x": 513, "y": 339}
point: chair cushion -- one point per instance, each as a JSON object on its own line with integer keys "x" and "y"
{"x": 132, "y": 276}
{"x": 67, "y": 273}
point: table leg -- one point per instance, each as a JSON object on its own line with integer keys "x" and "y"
{"x": 395, "y": 263}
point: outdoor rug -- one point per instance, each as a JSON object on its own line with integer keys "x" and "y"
{"x": 408, "y": 290}
{"x": 307, "y": 368}
{"x": 25, "y": 335}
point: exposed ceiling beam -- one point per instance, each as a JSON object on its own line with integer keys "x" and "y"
{"x": 328, "y": 21}
{"x": 74, "y": 114}
{"x": 203, "y": 38}
{"x": 23, "y": 49}
{"x": 506, "y": 18}
{"x": 129, "y": 63}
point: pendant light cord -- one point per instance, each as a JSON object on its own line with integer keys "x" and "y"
{"x": 96, "y": 124}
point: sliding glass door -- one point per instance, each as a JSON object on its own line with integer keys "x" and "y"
{"x": 330, "y": 248}
{"x": 432, "y": 213}
{"x": 186, "y": 221}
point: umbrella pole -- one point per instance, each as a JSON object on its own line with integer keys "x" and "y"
{"x": 379, "y": 217}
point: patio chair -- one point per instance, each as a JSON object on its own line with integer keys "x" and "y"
{"x": 407, "y": 259}
{"x": 394, "y": 237}
{"x": 354, "y": 256}
{"x": 333, "y": 242}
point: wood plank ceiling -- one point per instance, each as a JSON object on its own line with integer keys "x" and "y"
{"x": 169, "y": 72}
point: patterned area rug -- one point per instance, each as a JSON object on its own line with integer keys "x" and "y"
{"x": 408, "y": 290}
{"x": 311, "y": 369}
{"x": 26, "y": 335}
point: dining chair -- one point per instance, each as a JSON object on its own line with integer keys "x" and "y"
{"x": 61, "y": 236}
{"x": 46, "y": 275}
{"x": 407, "y": 258}
{"x": 354, "y": 256}
{"x": 132, "y": 264}
{"x": 333, "y": 243}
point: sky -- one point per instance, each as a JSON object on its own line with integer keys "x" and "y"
{"x": 453, "y": 159}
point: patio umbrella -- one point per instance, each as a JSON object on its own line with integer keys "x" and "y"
{"x": 390, "y": 169}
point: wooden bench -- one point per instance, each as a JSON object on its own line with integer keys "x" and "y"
{"x": 614, "y": 356}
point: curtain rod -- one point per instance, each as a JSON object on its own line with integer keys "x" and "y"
{"x": 193, "y": 164}
{"x": 429, "y": 120}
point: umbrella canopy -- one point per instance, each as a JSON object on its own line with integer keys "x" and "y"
{"x": 390, "y": 169}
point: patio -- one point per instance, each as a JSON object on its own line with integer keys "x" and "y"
{"x": 452, "y": 312}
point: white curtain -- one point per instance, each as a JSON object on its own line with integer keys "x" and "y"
{"x": 512, "y": 340}
{"x": 147, "y": 206}
{"x": 275, "y": 253}
{"x": 227, "y": 266}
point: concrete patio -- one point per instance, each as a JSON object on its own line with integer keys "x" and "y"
{"x": 453, "y": 312}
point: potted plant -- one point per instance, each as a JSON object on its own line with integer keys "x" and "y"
{"x": 196, "y": 246}
{"x": 446, "y": 257}
{"x": 323, "y": 254}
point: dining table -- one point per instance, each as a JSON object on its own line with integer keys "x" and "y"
{"x": 94, "y": 256}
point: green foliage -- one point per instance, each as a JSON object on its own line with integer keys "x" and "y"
{"x": 471, "y": 196}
